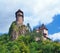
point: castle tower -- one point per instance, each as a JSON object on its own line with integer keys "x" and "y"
{"x": 17, "y": 27}
{"x": 19, "y": 17}
{"x": 44, "y": 31}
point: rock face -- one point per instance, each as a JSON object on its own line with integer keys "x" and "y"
{"x": 17, "y": 27}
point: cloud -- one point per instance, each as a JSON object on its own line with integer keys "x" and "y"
{"x": 55, "y": 36}
{"x": 35, "y": 11}
{"x": 43, "y": 11}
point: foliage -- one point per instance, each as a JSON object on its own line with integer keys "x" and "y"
{"x": 27, "y": 44}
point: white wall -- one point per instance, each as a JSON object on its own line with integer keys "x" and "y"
{"x": 45, "y": 31}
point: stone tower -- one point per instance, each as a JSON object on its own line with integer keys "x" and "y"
{"x": 17, "y": 27}
{"x": 19, "y": 17}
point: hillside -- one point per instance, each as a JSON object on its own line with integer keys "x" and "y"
{"x": 21, "y": 39}
{"x": 27, "y": 44}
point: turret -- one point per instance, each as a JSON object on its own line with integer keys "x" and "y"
{"x": 44, "y": 31}
{"x": 19, "y": 17}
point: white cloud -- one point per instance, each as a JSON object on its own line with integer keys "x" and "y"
{"x": 35, "y": 11}
{"x": 43, "y": 10}
{"x": 32, "y": 21}
{"x": 55, "y": 36}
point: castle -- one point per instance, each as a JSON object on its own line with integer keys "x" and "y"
{"x": 44, "y": 32}
{"x": 17, "y": 27}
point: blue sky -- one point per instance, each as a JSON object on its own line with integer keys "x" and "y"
{"x": 36, "y": 12}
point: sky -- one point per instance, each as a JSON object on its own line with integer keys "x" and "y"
{"x": 36, "y": 12}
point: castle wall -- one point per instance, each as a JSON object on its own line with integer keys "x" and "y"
{"x": 46, "y": 32}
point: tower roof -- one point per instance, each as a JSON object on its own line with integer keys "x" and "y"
{"x": 18, "y": 12}
{"x": 43, "y": 27}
